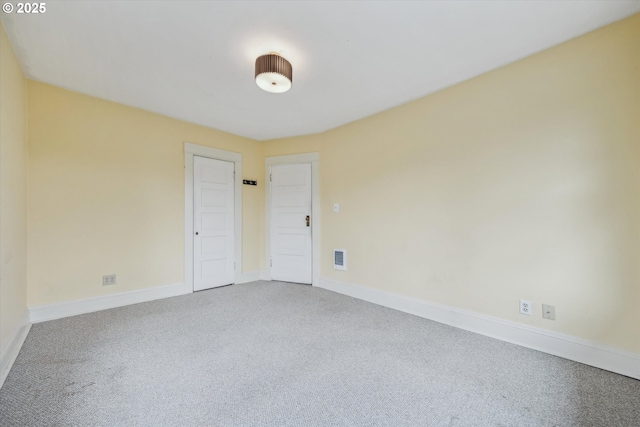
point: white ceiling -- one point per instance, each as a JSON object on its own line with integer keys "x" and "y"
{"x": 193, "y": 60}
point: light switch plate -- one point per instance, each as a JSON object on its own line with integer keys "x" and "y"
{"x": 336, "y": 207}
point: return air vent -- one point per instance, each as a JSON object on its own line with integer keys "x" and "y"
{"x": 339, "y": 259}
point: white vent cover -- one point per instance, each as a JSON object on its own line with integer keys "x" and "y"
{"x": 339, "y": 259}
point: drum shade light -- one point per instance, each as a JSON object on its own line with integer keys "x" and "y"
{"x": 273, "y": 73}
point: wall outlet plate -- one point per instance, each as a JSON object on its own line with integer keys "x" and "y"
{"x": 336, "y": 207}
{"x": 549, "y": 311}
{"x": 525, "y": 307}
{"x": 109, "y": 279}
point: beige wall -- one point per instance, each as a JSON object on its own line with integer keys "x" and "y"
{"x": 13, "y": 191}
{"x": 106, "y": 195}
{"x": 521, "y": 183}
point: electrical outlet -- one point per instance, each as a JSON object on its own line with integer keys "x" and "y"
{"x": 525, "y": 307}
{"x": 549, "y": 311}
{"x": 336, "y": 207}
{"x": 109, "y": 279}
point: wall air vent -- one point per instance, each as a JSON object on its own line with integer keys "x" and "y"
{"x": 339, "y": 259}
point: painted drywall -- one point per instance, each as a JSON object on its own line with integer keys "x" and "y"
{"x": 13, "y": 191}
{"x": 521, "y": 183}
{"x": 106, "y": 195}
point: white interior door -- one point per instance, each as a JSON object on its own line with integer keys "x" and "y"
{"x": 213, "y": 222}
{"x": 291, "y": 259}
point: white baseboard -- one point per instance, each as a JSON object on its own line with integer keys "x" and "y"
{"x": 249, "y": 276}
{"x": 566, "y": 346}
{"x": 59, "y": 310}
{"x": 265, "y": 275}
{"x": 10, "y": 352}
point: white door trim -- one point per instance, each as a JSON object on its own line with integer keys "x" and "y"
{"x": 314, "y": 159}
{"x": 191, "y": 150}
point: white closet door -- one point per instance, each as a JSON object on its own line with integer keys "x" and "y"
{"x": 291, "y": 223}
{"x": 213, "y": 252}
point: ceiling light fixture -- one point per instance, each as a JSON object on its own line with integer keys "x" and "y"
{"x": 273, "y": 73}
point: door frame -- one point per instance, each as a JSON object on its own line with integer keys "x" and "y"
{"x": 314, "y": 159}
{"x": 191, "y": 150}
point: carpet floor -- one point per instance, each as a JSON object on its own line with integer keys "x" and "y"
{"x": 281, "y": 354}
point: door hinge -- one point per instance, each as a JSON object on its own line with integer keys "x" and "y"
{"x": 234, "y": 265}
{"x": 270, "y": 177}
{"x": 271, "y": 263}
{"x": 234, "y": 174}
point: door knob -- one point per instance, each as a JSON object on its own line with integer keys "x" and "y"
{"x": 196, "y": 233}
{"x": 308, "y": 218}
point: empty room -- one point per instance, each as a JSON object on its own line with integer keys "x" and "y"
{"x": 314, "y": 213}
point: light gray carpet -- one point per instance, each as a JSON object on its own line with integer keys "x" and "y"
{"x": 279, "y": 354}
